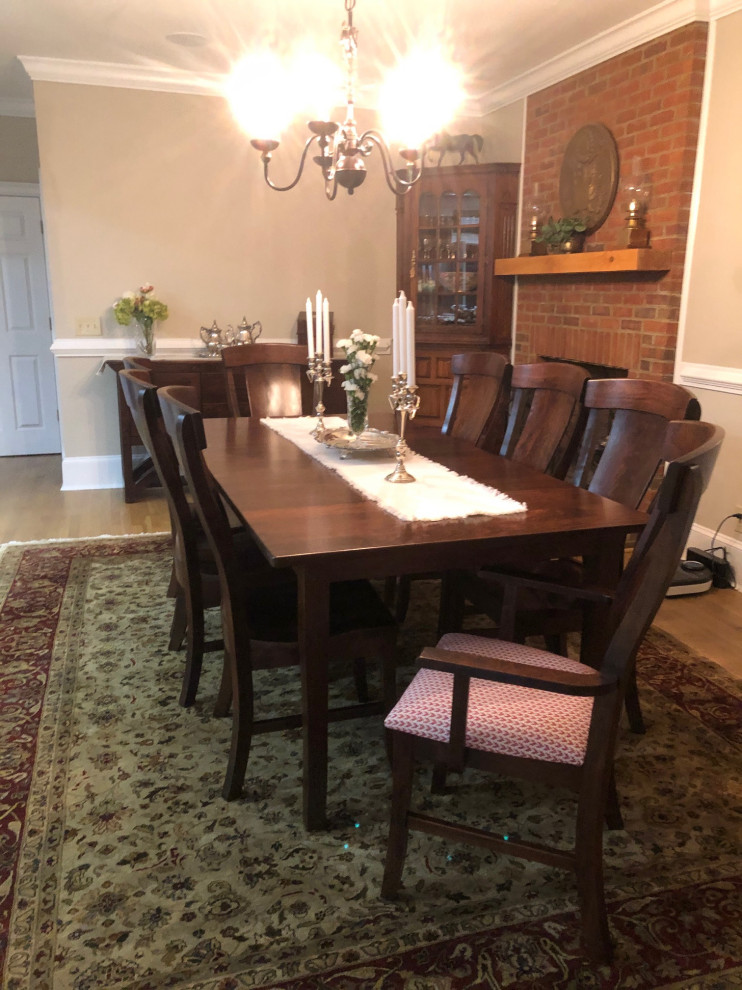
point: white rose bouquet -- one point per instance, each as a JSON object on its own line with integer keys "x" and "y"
{"x": 360, "y": 356}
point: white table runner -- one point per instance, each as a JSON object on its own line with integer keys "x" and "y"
{"x": 437, "y": 492}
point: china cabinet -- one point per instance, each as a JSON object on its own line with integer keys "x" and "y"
{"x": 450, "y": 229}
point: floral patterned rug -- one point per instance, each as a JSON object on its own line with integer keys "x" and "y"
{"x": 121, "y": 867}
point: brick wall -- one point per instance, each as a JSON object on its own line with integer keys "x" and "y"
{"x": 650, "y": 99}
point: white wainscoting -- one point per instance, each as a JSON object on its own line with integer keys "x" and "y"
{"x": 104, "y": 471}
{"x": 717, "y": 378}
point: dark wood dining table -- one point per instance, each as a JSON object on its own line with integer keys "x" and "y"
{"x": 304, "y": 516}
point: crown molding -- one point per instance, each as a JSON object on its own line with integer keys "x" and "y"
{"x": 664, "y": 17}
{"x": 159, "y": 78}
{"x": 16, "y": 108}
{"x": 720, "y": 8}
{"x": 19, "y": 189}
{"x": 659, "y": 20}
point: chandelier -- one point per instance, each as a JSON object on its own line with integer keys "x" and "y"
{"x": 341, "y": 150}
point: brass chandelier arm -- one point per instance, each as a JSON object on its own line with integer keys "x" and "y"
{"x": 266, "y": 158}
{"x": 398, "y": 185}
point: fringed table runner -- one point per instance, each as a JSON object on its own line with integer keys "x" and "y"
{"x": 437, "y": 492}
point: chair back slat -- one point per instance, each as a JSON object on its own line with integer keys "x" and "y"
{"x": 272, "y": 374}
{"x": 621, "y": 448}
{"x": 544, "y": 413}
{"x": 476, "y": 410}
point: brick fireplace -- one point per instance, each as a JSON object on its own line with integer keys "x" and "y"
{"x": 650, "y": 99}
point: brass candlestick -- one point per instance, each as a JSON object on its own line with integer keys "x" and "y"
{"x": 319, "y": 374}
{"x": 405, "y": 402}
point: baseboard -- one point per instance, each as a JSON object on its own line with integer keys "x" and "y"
{"x": 701, "y": 537}
{"x": 84, "y": 473}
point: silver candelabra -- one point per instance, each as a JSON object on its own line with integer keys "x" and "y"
{"x": 405, "y": 401}
{"x": 319, "y": 374}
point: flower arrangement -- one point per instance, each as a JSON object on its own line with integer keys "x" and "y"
{"x": 360, "y": 355}
{"x": 144, "y": 309}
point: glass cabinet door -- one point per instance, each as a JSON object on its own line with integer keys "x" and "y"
{"x": 448, "y": 252}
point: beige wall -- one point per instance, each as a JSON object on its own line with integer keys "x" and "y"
{"x": 162, "y": 187}
{"x": 712, "y": 331}
{"x": 19, "y": 152}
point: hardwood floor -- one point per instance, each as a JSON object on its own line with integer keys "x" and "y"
{"x": 33, "y": 508}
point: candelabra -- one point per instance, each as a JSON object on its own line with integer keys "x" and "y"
{"x": 319, "y": 374}
{"x": 405, "y": 401}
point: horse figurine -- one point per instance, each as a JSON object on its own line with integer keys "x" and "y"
{"x": 464, "y": 144}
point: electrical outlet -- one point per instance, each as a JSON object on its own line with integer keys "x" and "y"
{"x": 88, "y": 326}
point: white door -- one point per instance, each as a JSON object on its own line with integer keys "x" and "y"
{"x": 29, "y": 422}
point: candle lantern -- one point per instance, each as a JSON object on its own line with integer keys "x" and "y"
{"x": 637, "y": 190}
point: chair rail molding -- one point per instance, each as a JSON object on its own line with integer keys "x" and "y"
{"x": 716, "y": 378}
{"x": 119, "y": 347}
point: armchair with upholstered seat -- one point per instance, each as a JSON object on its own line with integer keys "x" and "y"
{"x": 526, "y": 713}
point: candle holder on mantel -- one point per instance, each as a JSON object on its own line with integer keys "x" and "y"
{"x": 319, "y": 374}
{"x": 405, "y": 402}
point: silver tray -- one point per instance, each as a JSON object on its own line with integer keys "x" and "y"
{"x": 367, "y": 442}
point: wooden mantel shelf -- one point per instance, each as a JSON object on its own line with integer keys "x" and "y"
{"x": 589, "y": 262}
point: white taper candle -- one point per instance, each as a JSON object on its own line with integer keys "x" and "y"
{"x": 410, "y": 344}
{"x": 310, "y": 329}
{"x": 395, "y": 337}
{"x": 318, "y": 318}
{"x": 326, "y": 330}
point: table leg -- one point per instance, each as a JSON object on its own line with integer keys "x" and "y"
{"x": 602, "y": 568}
{"x": 314, "y": 623}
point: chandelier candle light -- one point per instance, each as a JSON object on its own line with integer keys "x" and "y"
{"x": 319, "y": 349}
{"x": 262, "y": 87}
{"x": 404, "y": 399}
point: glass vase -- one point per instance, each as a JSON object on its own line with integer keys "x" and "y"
{"x": 144, "y": 337}
{"x": 357, "y": 412}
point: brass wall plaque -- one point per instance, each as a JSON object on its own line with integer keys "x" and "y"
{"x": 589, "y": 176}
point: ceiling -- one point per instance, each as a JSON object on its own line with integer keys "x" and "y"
{"x": 507, "y": 47}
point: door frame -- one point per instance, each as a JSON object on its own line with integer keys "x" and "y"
{"x": 33, "y": 189}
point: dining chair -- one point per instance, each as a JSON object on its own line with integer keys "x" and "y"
{"x": 619, "y": 456}
{"x": 260, "y": 625}
{"x": 477, "y": 408}
{"x": 272, "y": 375}
{"x": 544, "y": 417}
{"x": 478, "y": 403}
{"x": 194, "y": 583}
{"x": 526, "y": 713}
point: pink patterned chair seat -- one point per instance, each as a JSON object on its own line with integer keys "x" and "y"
{"x": 502, "y": 718}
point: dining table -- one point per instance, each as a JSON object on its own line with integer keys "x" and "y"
{"x": 304, "y": 516}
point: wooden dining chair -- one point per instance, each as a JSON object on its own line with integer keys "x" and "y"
{"x": 476, "y": 409}
{"x": 272, "y": 374}
{"x": 621, "y": 451}
{"x": 194, "y": 584}
{"x": 526, "y": 713}
{"x": 260, "y": 624}
{"x": 544, "y": 415}
{"x": 479, "y": 396}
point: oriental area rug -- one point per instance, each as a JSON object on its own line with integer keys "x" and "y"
{"x": 122, "y": 868}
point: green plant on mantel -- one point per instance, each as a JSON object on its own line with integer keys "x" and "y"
{"x": 556, "y": 233}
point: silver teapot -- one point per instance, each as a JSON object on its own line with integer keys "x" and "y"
{"x": 245, "y": 333}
